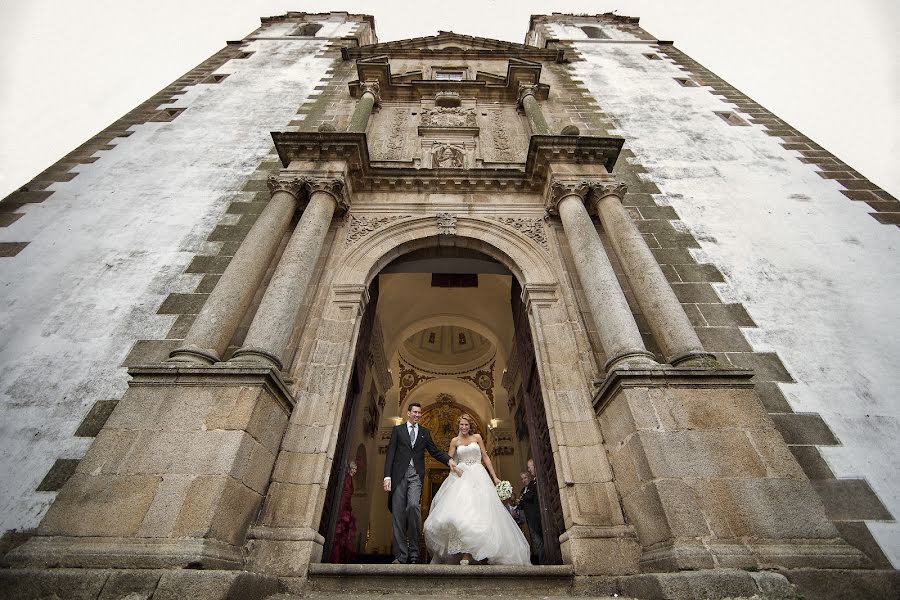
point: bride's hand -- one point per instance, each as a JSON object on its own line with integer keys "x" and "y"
{"x": 457, "y": 471}
{"x": 496, "y": 480}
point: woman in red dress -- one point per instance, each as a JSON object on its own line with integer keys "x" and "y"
{"x": 345, "y": 530}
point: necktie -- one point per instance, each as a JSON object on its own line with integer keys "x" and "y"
{"x": 412, "y": 435}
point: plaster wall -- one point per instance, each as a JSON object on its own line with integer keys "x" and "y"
{"x": 815, "y": 271}
{"x": 108, "y": 247}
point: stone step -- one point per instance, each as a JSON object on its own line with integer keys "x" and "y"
{"x": 494, "y": 581}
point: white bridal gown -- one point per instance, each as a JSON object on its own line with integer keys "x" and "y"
{"x": 467, "y": 517}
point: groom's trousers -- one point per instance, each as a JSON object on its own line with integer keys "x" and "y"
{"x": 406, "y": 512}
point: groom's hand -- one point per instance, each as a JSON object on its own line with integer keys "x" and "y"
{"x": 387, "y": 484}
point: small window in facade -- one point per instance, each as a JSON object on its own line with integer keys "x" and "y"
{"x": 594, "y": 33}
{"x": 449, "y": 75}
{"x": 307, "y": 30}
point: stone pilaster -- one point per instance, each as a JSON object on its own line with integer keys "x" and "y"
{"x": 220, "y": 316}
{"x": 286, "y": 538}
{"x": 371, "y": 95}
{"x": 615, "y": 324}
{"x": 270, "y": 331}
{"x": 668, "y": 321}
{"x": 529, "y": 103}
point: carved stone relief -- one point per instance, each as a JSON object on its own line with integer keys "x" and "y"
{"x": 446, "y": 223}
{"x": 533, "y": 228}
{"x": 448, "y": 117}
{"x": 482, "y": 378}
{"x": 361, "y": 226}
{"x": 502, "y": 135}
{"x": 447, "y": 156}
{"x": 393, "y": 147}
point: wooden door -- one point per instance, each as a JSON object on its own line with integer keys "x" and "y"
{"x": 548, "y": 494}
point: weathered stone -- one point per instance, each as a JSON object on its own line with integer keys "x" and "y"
{"x": 105, "y": 505}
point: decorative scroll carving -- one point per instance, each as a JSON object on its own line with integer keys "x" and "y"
{"x": 612, "y": 188}
{"x": 445, "y": 156}
{"x": 361, "y": 226}
{"x": 533, "y": 228}
{"x": 500, "y": 137}
{"x": 410, "y": 379}
{"x": 482, "y": 378}
{"x": 446, "y": 223}
{"x": 371, "y": 87}
{"x": 448, "y": 117}
{"x": 286, "y": 183}
{"x": 394, "y": 146}
{"x": 333, "y": 186}
{"x": 484, "y": 381}
{"x": 563, "y": 188}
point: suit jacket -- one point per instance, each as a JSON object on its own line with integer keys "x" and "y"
{"x": 530, "y": 504}
{"x": 400, "y": 451}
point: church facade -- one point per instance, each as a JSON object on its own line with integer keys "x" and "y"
{"x": 620, "y": 266}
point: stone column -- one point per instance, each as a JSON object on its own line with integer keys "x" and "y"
{"x": 220, "y": 316}
{"x": 276, "y": 317}
{"x": 668, "y": 321}
{"x": 615, "y": 324}
{"x": 367, "y": 101}
{"x": 529, "y": 103}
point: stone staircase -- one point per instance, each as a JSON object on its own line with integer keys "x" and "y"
{"x": 490, "y": 581}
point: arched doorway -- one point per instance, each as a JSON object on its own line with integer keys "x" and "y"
{"x": 441, "y": 325}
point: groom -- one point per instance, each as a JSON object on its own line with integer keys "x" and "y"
{"x": 404, "y": 471}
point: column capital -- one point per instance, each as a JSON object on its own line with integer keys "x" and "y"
{"x": 563, "y": 188}
{"x": 332, "y": 185}
{"x": 601, "y": 190}
{"x": 527, "y": 89}
{"x": 371, "y": 87}
{"x": 292, "y": 184}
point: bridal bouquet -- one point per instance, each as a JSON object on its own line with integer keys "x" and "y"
{"x": 504, "y": 490}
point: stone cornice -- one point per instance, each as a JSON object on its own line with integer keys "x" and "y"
{"x": 518, "y": 73}
{"x": 462, "y": 47}
{"x": 352, "y": 148}
{"x": 305, "y": 17}
{"x": 171, "y": 374}
{"x": 666, "y": 376}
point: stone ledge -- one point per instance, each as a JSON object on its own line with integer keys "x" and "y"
{"x": 667, "y": 376}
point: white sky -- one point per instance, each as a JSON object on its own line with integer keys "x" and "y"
{"x": 70, "y": 67}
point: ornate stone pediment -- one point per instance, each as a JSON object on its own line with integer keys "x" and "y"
{"x": 448, "y": 117}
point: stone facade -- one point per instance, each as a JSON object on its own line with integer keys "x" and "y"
{"x": 296, "y": 284}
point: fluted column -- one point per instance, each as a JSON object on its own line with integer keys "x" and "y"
{"x": 529, "y": 103}
{"x": 665, "y": 315}
{"x": 370, "y": 97}
{"x": 276, "y": 317}
{"x": 220, "y": 316}
{"x": 615, "y": 324}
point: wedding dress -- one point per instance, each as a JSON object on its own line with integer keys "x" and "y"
{"x": 466, "y": 516}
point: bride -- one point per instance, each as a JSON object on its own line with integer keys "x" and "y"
{"x": 466, "y": 515}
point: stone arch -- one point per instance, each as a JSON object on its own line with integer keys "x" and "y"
{"x": 528, "y": 262}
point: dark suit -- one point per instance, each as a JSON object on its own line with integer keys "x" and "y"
{"x": 531, "y": 506}
{"x": 405, "y": 465}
